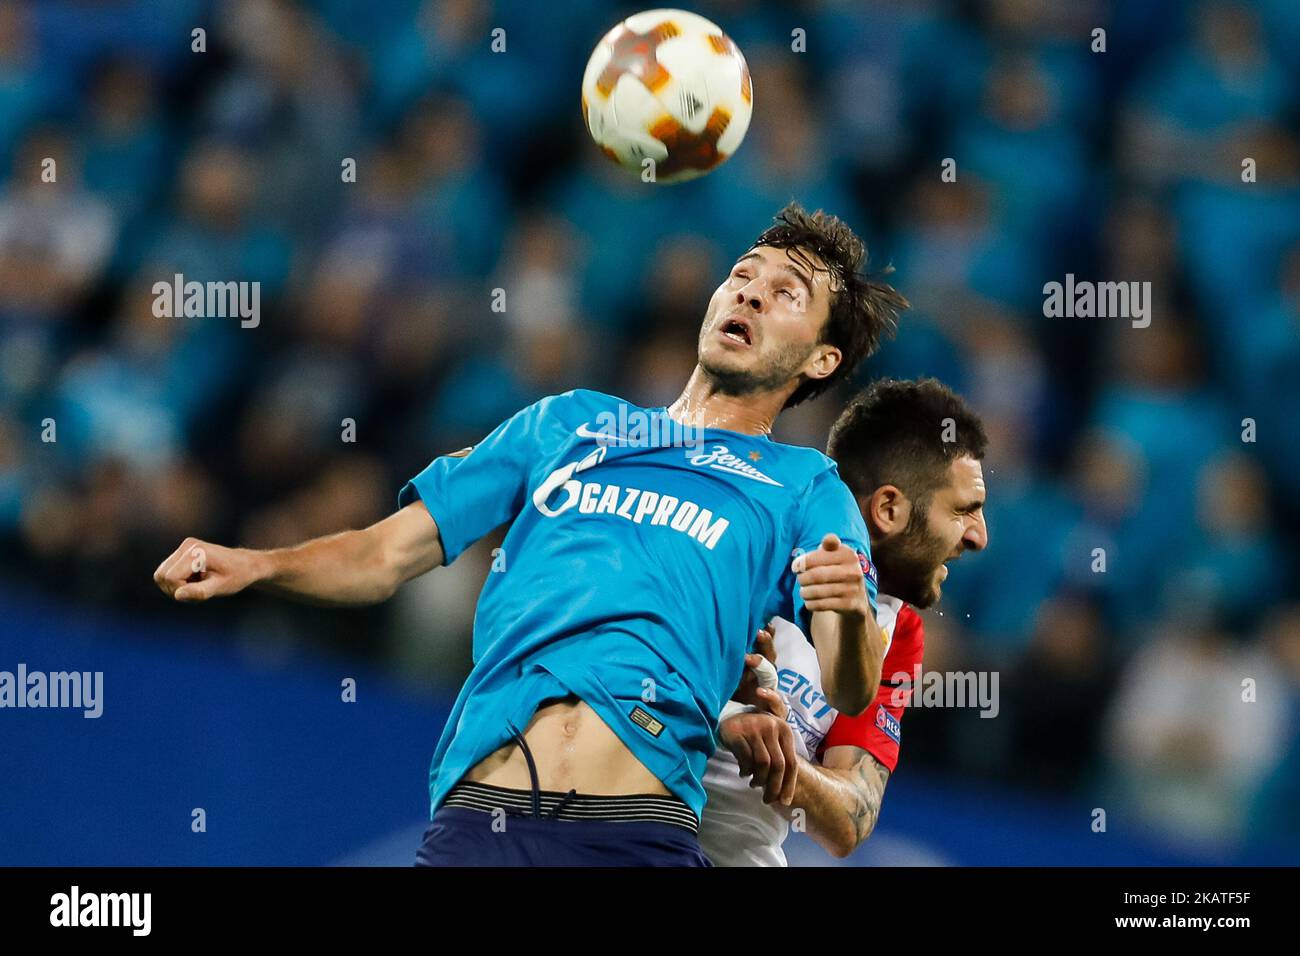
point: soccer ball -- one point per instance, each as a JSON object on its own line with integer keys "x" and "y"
{"x": 667, "y": 94}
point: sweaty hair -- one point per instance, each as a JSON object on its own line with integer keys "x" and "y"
{"x": 893, "y": 433}
{"x": 863, "y": 308}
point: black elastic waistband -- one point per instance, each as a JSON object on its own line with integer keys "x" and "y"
{"x": 574, "y": 807}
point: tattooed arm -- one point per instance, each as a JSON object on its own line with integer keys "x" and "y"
{"x": 840, "y": 797}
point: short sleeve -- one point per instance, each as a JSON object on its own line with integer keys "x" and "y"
{"x": 879, "y": 729}
{"x": 828, "y": 508}
{"x": 471, "y": 492}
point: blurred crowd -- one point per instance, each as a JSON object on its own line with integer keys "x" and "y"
{"x": 1138, "y": 597}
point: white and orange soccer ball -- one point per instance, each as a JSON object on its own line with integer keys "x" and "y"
{"x": 667, "y": 94}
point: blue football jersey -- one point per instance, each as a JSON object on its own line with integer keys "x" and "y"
{"x": 635, "y": 572}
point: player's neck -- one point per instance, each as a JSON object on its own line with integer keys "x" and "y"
{"x": 701, "y": 405}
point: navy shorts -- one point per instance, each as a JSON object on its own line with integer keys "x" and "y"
{"x": 461, "y": 836}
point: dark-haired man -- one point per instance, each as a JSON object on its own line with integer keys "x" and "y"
{"x": 911, "y": 453}
{"x": 637, "y": 573}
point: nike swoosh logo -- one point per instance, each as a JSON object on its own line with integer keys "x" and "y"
{"x": 584, "y": 431}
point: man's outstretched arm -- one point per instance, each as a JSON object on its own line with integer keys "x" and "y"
{"x": 350, "y": 568}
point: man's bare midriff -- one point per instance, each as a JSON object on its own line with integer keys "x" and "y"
{"x": 573, "y": 750}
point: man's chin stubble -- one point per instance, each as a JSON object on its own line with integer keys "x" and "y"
{"x": 740, "y": 382}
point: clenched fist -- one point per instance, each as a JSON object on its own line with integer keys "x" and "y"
{"x": 830, "y": 579}
{"x": 198, "y": 570}
{"x": 763, "y": 743}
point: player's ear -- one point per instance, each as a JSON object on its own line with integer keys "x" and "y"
{"x": 888, "y": 510}
{"x": 823, "y": 362}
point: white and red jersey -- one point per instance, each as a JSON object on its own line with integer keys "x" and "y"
{"x": 738, "y": 828}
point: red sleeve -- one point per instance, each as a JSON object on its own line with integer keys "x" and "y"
{"x": 878, "y": 730}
